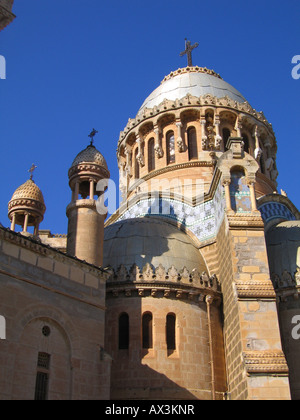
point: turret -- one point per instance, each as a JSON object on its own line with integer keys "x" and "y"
{"x": 27, "y": 207}
{"x": 86, "y": 224}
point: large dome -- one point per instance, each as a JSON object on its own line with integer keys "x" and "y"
{"x": 196, "y": 81}
{"x": 149, "y": 240}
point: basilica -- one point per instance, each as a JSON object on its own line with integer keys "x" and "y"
{"x": 188, "y": 291}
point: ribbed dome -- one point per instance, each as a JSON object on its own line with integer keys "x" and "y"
{"x": 196, "y": 81}
{"x": 149, "y": 240}
{"x": 28, "y": 191}
{"x": 90, "y": 155}
{"x": 27, "y": 199}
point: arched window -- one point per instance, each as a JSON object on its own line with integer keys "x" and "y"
{"x": 170, "y": 143}
{"x": 136, "y": 165}
{"x": 192, "y": 143}
{"x": 226, "y": 134}
{"x": 246, "y": 143}
{"x": 171, "y": 333}
{"x": 239, "y": 191}
{"x": 151, "y": 155}
{"x": 147, "y": 331}
{"x": 124, "y": 332}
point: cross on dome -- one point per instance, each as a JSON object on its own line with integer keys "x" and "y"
{"x": 92, "y": 135}
{"x": 31, "y": 170}
{"x": 188, "y": 51}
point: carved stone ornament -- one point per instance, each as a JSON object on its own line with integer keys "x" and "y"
{"x": 140, "y": 159}
{"x": 159, "y": 282}
{"x": 147, "y": 272}
{"x": 180, "y": 144}
{"x": 218, "y": 142}
{"x": 265, "y": 361}
{"x": 236, "y": 145}
{"x": 158, "y": 151}
{"x": 204, "y": 143}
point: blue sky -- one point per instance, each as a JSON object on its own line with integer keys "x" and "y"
{"x": 76, "y": 65}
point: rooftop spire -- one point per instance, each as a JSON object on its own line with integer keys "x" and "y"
{"x": 188, "y": 51}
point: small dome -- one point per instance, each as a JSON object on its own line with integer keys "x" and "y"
{"x": 28, "y": 191}
{"x": 90, "y": 155}
{"x": 27, "y": 199}
{"x": 196, "y": 81}
{"x": 149, "y": 240}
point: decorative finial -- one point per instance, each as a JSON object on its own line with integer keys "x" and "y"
{"x": 92, "y": 135}
{"x": 188, "y": 51}
{"x": 31, "y": 170}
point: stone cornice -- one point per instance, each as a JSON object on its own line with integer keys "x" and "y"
{"x": 193, "y": 69}
{"x": 159, "y": 282}
{"x": 176, "y": 167}
{"x": 35, "y": 245}
{"x": 87, "y": 169}
{"x": 245, "y": 220}
{"x": 87, "y": 203}
{"x": 190, "y": 101}
{"x": 255, "y": 289}
{"x": 266, "y": 361}
{"x": 27, "y": 203}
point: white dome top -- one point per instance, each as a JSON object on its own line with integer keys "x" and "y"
{"x": 196, "y": 81}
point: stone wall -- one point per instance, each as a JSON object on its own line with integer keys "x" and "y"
{"x": 155, "y": 373}
{"x": 56, "y": 305}
{"x": 255, "y": 363}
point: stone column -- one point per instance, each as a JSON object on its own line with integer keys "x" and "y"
{"x": 218, "y": 138}
{"x": 140, "y": 156}
{"x": 76, "y": 192}
{"x": 204, "y": 137}
{"x": 92, "y": 189}
{"x": 25, "y": 227}
{"x": 251, "y": 185}
{"x": 36, "y": 229}
{"x": 238, "y": 127}
{"x": 157, "y": 146}
{"x": 179, "y": 138}
{"x": 128, "y": 154}
{"x": 209, "y": 301}
{"x": 226, "y": 185}
{"x": 13, "y": 222}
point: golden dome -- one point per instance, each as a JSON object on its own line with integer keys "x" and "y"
{"x": 27, "y": 197}
{"x": 29, "y": 190}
